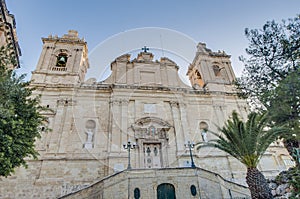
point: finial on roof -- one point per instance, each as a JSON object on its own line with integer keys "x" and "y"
{"x": 145, "y": 49}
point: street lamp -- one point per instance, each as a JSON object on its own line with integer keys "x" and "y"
{"x": 190, "y": 145}
{"x": 129, "y": 146}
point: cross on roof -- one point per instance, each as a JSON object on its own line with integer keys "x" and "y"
{"x": 145, "y": 49}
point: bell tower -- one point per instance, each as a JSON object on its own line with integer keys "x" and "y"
{"x": 63, "y": 60}
{"x": 211, "y": 70}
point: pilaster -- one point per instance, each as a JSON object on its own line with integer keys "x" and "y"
{"x": 177, "y": 126}
{"x": 124, "y": 121}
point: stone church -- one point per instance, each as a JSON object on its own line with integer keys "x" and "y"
{"x": 132, "y": 135}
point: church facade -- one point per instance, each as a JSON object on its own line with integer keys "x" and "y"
{"x": 133, "y": 132}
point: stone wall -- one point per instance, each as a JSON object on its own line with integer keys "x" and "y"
{"x": 122, "y": 185}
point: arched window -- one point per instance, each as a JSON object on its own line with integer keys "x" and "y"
{"x": 198, "y": 75}
{"x": 155, "y": 151}
{"x": 137, "y": 193}
{"x": 199, "y": 79}
{"x": 148, "y": 151}
{"x": 193, "y": 190}
{"x": 62, "y": 59}
{"x": 166, "y": 190}
{"x": 217, "y": 70}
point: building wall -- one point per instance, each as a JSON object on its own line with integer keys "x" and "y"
{"x": 143, "y": 101}
{"x": 8, "y": 35}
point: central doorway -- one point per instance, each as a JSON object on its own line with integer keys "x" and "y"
{"x": 152, "y": 155}
{"x": 166, "y": 191}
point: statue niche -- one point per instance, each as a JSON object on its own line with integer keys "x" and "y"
{"x": 90, "y": 131}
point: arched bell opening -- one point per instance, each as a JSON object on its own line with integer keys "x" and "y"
{"x": 62, "y": 59}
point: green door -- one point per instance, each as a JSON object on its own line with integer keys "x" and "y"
{"x": 166, "y": 191}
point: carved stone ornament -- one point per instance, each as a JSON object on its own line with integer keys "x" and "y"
{"x": 174, "y": 104}
{"x": 151, "y": 128}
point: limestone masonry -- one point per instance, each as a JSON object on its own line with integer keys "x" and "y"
{"x": 144, "y": 101}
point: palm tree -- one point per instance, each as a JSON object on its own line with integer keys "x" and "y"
{"x": 247, "y": 142}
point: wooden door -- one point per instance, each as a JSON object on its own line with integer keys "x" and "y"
{"x": 152, "y": 155}
{"x": 166, "y": 191}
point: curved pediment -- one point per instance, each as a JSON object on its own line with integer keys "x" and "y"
{"x": 147, "y": 121}
{"x": 151, "y": 127}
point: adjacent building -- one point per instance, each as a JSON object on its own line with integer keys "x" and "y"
{"x": 8, "y": 35}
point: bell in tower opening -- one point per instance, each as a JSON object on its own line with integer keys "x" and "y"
{"x": 61, "y": 60}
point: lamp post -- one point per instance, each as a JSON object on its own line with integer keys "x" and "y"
{"x": 190, "y": 145}
{"x": 129, "y": 146}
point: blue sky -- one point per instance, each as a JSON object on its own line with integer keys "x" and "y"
{"x": 218, "y": 23}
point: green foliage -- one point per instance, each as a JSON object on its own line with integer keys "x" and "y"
{"x": 292, "y": 176}
{"x": 274, "y": 53}
{"x": 20, "y": 119}
{"x": 271, "y": 78}
{"x": 295, "y": 182}
{"x": 6, "y": 58}
{"x": 285, "y": 101}
{"x": 284, "y": 108}
{"x": 246, "y": 141}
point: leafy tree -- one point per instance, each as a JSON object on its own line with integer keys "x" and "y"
{"x": 20, "y": 119}
{"x": 284, "y": 108}
{"x": 271, "y": 75}
{"x": 274, "y": 52}
{"x": 247, "y": 142}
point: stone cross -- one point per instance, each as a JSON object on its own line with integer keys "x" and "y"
{"x": 145, "y": 49}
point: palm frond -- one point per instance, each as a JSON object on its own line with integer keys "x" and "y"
{"x": 246, "y": 141}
